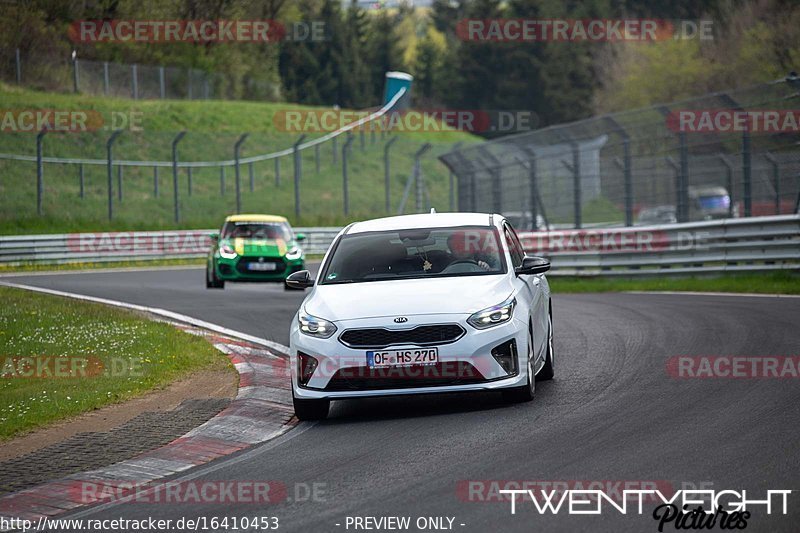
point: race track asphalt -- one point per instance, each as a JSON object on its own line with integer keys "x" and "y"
{"x": 612, "y": 413}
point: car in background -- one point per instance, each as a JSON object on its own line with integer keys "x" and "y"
{"x": 655, "y": 216}
{"x": 253, "y": 248}
{"x": 421, "y": 304}
{"x": 709, "y": 203}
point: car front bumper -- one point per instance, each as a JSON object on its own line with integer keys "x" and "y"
{"x": 235, "y": 269}
{"x": 466, "y": 364}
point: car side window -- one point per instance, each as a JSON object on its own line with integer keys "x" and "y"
{"x": 513, "y": 246}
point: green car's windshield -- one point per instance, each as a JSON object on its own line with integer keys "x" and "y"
{"x": 416, "y": 253}
{"x": 256, "y": 230}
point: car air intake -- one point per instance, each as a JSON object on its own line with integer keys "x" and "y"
{"x": 418, "y": 336}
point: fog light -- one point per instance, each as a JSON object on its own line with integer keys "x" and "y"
{"x": 506, "y": 356}
{"x": 307, "y": 365}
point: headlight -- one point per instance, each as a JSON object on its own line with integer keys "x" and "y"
{"x": 294, "y": 253}
{"x": 314, "y": 326}
{"x": 227, "y": 251}
{"x": 492, "y": 316}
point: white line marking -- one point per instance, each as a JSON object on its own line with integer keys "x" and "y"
{"x": 99, "y": 270}
{"x": 279, "y": 348}
{"x": 698, "y": 293}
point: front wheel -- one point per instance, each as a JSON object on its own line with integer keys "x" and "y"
{"x": 310, "y": 409}
{"x": 212, "y": 281}
{"x": 547, "y": 372}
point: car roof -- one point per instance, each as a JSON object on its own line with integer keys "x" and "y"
{"x": 255, "y": 218}
{"x": 432, "y": 220}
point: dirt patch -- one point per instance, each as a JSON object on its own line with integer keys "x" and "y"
{"x": 198, "y": 385}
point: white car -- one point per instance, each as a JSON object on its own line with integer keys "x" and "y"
{"x": 418, "y": 304}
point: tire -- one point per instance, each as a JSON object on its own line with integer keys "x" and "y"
{"x": 310, "y": 409}
{"x": 212, "y": 281}
{"x": 547, "y": 373}
{"x": 524, "y": 393}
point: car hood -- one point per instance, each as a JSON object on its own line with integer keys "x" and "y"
{"x": 450, "y": 295}
{"x": 265, "y": 247}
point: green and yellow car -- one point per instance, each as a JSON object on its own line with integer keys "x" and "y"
{"x": 253, "y": 248}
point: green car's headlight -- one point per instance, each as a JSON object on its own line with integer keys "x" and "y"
{"x": 226, "y": 251}
{"x": 493, "y": 316}
{"x": 294, "y": 253}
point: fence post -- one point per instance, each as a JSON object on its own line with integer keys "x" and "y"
{"x": 75, "y": 79}
{"x": 105, "y": 78}
{"x": 728, "y": 182}
{"x": 747, "y": 171}
{"x": 161, "y": 83}
{"x": 110, "y": 171}
{"x": 418, "y": 179}
{"x": 119, "y": 183}
{"x": 175, "y": 192}
{"x": 155, "y": 182}
{"x": 677, "y": 168}
{"x": 252, "y": 176}
{"x": 576, "y": 185}
{"x": 277, "y": 171}
{"x": 345, "y": 187}
{"x": 683, "y": 191}
{"x": 298, "y": 172}
{"x": 452, "y": 180}
{"x": 387, "y": 175}
{"x": 189, "y": 180}
{"x": 134, "y": 82}
{"x": 776, "y": 177}
{"x": 236, "y": 149}
{"x": 222, "y": 180}
{"x": 533, "y": 190}
{"x": 627, "y": 172}
{"x": 39, "y": 171}
{"x": 82, "y": 193}
{"x": 494, "y": 172}
{"x": 18, "y": 69}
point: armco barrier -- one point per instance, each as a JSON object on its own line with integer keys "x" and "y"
{"x": 747, "y": 244}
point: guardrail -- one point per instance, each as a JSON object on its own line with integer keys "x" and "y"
{"x": 751, "y": 244}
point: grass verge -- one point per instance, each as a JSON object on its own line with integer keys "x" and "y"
{"x": 61, "y": 357}
{"x": 213, "y": 128}
{"x": 767, "y": 283}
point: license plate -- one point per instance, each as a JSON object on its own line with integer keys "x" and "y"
{"x": 417, "y": 356}
{"x": 262, "y": 266}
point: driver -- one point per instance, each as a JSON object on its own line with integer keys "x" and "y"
{"x": 466, "y": 246}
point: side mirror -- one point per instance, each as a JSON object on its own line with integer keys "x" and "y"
{"x": 214, "y": 237}
{"x": 300, "y": 280}
{"x": 533, "y": 265}
{"x": 300, "y": 237}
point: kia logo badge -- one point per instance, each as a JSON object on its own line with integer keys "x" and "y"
{"x": 400, "y": 320}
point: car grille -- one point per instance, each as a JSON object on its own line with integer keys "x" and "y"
{"x": 419, "y": 336}
{"x": 242, "y": 267}
{"x": 438, "y": 375}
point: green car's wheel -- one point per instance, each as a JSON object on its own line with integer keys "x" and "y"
{"x": 212, "y": 281}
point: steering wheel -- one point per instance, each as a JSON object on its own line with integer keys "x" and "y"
{"x": 460, "y": 265}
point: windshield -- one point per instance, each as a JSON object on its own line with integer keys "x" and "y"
{"x": 715, "y": 202}
{"x": 418, "y": 253}
{"x": 256, "y": 230}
